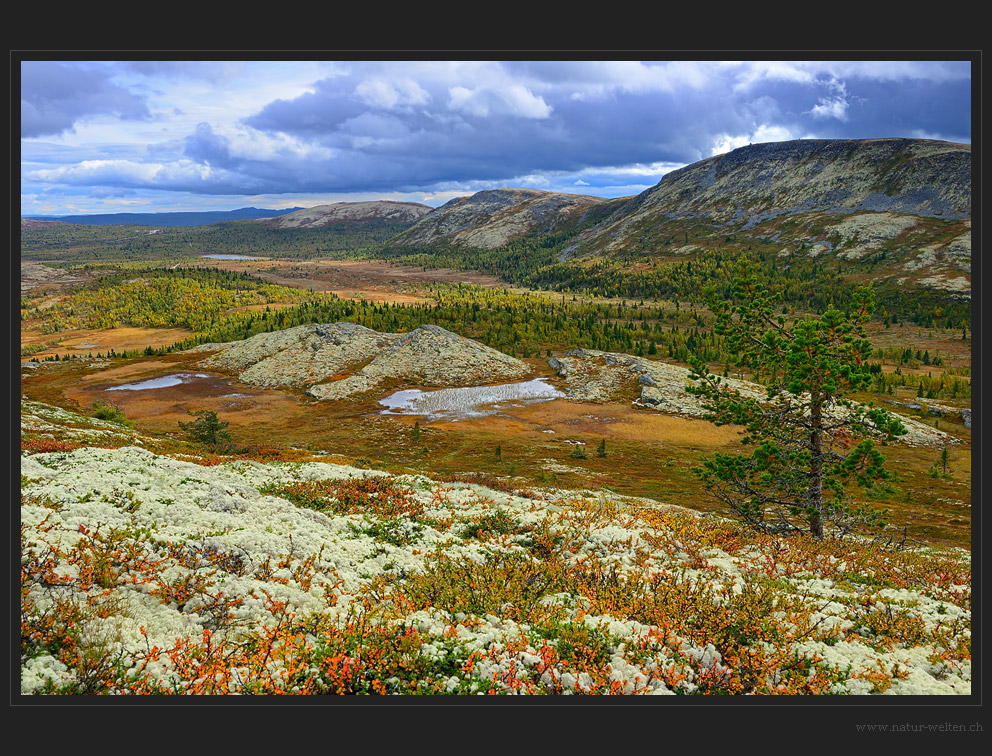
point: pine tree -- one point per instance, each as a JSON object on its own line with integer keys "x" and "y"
{"x": 207, "y": 429}
{"x": 797, "y": 477}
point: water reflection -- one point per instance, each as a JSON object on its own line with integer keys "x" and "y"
{"x": 163, "y": 381}
{"x": 471, "y": 401}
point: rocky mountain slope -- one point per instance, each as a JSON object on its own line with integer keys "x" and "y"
{"x": 903, "y": 201}
{"x": 895, "y": 209}
{"x": 742, "y": 188}
{"x": 339, "y": 359}
{"x": 492, "y": 218}
{"x": 350, "y": 212}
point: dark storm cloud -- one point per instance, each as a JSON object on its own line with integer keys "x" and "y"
{"x": 313, "y": 114}
{"x": 213, "y": 71}
{"x": 880, "y": 109}
{"x": 54, "y": 97}
{"x": 446, "y": 126}
{"x": 500, "y": 133}
{"x": 203, "y": 146}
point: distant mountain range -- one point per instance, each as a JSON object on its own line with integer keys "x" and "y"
{"x": 166, "y": 219}
{"x": 896, "y": 209}
{"x": 888, "y": 210}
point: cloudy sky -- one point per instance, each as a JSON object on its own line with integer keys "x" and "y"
{"x": 145, "y": 136}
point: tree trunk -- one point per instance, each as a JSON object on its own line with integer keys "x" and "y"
{"x": 815, "y": 495}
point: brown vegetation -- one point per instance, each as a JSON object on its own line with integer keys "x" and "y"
{"x": 648, "y": 454}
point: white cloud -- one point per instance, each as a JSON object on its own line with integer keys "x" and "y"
{"x": 512, "y": 100}
{"x": 534, "y": 181}
{"x": 830, "y": 107}
{"x": 748, "y": 74}
{"x": 764, "y": 133}
{"x": 250, "y": 144}
{"x": 123, "y": 173}
{"x": 381, "y": 93}
{"x": 728, "y": 143}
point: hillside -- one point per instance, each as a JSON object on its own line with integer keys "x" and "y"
{"x": 895, "y": 211}
{"x": 349, "y": 212}
{"x": 908, "y": 201}
{"x": 321, "y": 231}
{"x": 493, "y": 218}
{"x": 147, "y": 569}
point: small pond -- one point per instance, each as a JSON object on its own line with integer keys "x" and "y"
{"x": 471, "y": 401}
{"x": 163, "y": 381}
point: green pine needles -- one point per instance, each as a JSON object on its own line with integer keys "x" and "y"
{"x": 811, "y": 444}
{"x": 208, "y": 430}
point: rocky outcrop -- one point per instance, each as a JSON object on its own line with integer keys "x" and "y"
{"x": 591, "y": 375}
{"x": 491, "y": 218}
{"x": 299, "y": 356}
{"x": 335, "y": 360}
{"x": 596, "y": 376}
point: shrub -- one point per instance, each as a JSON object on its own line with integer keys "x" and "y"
{"x": 110, "y": 412}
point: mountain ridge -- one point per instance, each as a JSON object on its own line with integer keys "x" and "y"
{"x": 891, "y": 209}
{"x": 349, "y": 212}
{"x": 193, "y": 218}
{"x": 749, "y": 185}
{"x": 494, "y": 217}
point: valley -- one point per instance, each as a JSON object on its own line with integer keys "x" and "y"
{"x": 423, "y": 397}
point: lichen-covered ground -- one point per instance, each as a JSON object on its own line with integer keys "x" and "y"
{"x": 145, "y": 572}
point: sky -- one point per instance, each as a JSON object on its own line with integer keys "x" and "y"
{"x": 122, "y": 136}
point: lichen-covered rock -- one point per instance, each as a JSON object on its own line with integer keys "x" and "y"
{"x": 596, "y": 376}
{"x": 335, "y": 360}
{"x": 211, "y": 558}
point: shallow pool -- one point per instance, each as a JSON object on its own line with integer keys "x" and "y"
{"x": 471, "y": 401}
{"x": 163, "y": 381}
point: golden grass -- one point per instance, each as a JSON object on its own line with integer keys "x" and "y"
{"x": 118, "y": 339}
{"x": 648, "y": 453}
{"x": 354, "y": 279}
